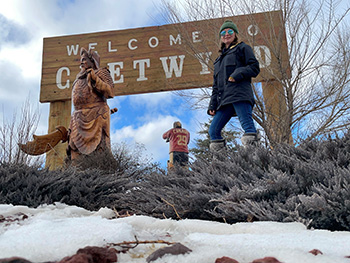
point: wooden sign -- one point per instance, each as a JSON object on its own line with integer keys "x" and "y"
{"x": 160, "y": 58}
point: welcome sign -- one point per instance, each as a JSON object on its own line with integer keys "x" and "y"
{"x": 158, "y": 58}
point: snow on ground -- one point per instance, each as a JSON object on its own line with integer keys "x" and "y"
{"x": 52, "y": 232}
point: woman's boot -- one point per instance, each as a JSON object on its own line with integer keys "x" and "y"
{"x": 217, "y": 147}
{"x": 250, "y": 139}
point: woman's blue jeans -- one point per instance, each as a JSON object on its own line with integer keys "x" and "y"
{"x": 244, "y": 111}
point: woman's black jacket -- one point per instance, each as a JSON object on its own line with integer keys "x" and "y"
{"x": 239, "y": 62}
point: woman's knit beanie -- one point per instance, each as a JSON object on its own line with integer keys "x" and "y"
{"x": 229, "y": 24}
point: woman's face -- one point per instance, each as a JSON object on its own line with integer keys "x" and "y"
{"x": 227, "y": 36}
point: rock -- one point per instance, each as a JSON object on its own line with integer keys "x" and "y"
{"x": 92, "y": 255}
{"x": 14, "y": 260}
{"x": 267, "y": 260}
{"x": 175, "y": 249}
{"x": 226, "y": 260}
{"x": 77, "y": 258}
{"x": 315, "y": 252}
{"x": 100, "y": 254}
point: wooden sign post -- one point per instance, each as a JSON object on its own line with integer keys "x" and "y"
{"x": 150, "y": 59}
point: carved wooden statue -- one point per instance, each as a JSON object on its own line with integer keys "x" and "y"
{"x": 89, "y": 128}
{"x": 44, "y": 143}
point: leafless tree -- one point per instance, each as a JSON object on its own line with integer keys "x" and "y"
{"x": 19, "y": 129}
{"x": 311, "y": 95}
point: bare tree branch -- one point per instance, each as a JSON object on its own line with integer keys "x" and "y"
{"x": 313, "y": 90}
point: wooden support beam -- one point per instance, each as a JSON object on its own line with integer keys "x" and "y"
{"x": 276, "y": 111}
{"x": 60, "y": 114}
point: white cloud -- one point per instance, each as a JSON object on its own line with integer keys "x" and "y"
{"x": 21, "y": 61}
{"x": 149, "y": 134}
{"x": 24, "y": 24}
{"x": 152, "y": 100}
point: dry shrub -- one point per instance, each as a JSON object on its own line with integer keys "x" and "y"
{"x": 19, "y": 129}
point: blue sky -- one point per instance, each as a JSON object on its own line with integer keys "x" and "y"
{"x": 23, "y": 25}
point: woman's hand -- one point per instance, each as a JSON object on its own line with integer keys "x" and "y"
{"x": 212, "y": 112}
{"x": 230, "y": 79}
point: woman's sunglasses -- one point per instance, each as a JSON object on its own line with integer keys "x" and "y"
{"x": 223, "y": 32}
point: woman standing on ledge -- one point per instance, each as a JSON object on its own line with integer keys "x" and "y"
{"x": 232, "y": 93}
